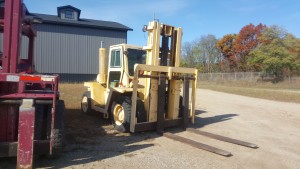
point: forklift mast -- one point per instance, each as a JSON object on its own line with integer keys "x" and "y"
{"x": 164, "y": 78}
{"x": 164, "y": 44}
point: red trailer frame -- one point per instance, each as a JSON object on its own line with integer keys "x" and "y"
{"x": 25, "y": 97}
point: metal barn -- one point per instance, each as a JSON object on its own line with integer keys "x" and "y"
{"x": 68, "y": 45}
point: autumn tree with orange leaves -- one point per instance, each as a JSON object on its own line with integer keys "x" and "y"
{"x": 226, "y": 47}
{"x": 246, "y": 40}
{"x": 256, "y": 48}
{"x": 278, "y": 53}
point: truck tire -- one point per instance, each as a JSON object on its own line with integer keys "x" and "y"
{"x": 38, "y": 122}
{"x": 86, "y": 102}
{"x": 41, "y": 122}
{"x": 58, "y": 131}
{"x": 121, "y": 110}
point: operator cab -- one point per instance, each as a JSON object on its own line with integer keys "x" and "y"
{"x": 122, "y": 59}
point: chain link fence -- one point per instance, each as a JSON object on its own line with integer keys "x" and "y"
{"x": 242, "y": 76}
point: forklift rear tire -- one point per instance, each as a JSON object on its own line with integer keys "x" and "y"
{"x": 86, "y": 102}
{"x": 121, "y": 110}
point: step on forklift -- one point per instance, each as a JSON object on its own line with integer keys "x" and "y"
{"x": 31, "y": 114}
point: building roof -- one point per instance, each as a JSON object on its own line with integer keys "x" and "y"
{"x": 81, "y": 22}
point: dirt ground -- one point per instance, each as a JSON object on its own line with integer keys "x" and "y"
{"x": 273, "y": 126}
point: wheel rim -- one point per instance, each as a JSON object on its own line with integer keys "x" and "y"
{"x": 119, "y": 115}
{"x": 84, "y": 104}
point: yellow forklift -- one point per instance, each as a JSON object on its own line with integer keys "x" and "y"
{"x": 141, "y": 87}
{"x": 144, "y": 88}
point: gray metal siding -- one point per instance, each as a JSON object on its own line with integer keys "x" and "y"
{"x": 71, "y": 52}
{"x": 24, "y": 49}
{"x": 65, "y": 49}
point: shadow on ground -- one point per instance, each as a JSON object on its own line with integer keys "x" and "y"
{"x": 204, "y": 121}
{"x": 89, "y": 138}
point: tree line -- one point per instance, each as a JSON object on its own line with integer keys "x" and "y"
{"x": 272, "y": 50}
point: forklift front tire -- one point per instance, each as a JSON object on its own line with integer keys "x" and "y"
{"x": 121, "y": 113}
{"x": 121, "y": 110}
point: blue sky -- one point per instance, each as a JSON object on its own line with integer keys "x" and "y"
{"x": 196, "y": 17}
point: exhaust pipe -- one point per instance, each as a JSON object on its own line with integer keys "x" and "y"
{"x": 101, "y": 77}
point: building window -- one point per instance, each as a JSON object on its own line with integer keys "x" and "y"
{"x": 69, "y": 14}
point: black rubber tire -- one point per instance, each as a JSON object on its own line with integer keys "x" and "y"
{"x": 58, "y": 132}
{"x": 86, "y": 95}
{"x": 125, "y": 102}
{"x": 180, "y": 107}
{"x": 140, "y": 111}
{"x": 41, "y": 124}
{"x": 38, "y": 122}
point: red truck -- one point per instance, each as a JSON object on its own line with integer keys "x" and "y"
{"x": 31, "y": 114}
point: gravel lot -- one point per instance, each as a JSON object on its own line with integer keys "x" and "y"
{"x": 273, "y": 126}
